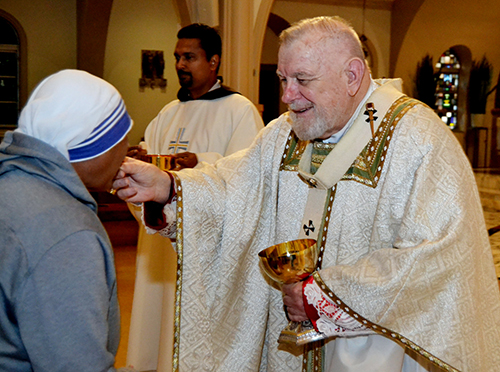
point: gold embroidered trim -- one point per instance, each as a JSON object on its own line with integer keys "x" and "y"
{"x": 367, "y": 167}
{"x": 320, "y": 151}
{"x": 292, "y": 153}
{"x": 401, "y": 340}
{"x": 178, "y": 283}
{"x": 313, "y": 358}
{"x": 324, "y": 146}
{"x": 295, "y": 148}
{"x": 330, "y": 197}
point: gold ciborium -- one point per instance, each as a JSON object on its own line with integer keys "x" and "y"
{"x": 291, "y": 262}
{"x": 164, "y": 162}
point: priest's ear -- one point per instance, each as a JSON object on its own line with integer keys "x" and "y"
{"x": 214, "y": 62}
{"x": 356, "y": 69}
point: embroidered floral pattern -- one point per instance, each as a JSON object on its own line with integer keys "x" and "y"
{"x": 332, "y": 319}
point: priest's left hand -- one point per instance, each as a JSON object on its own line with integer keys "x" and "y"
{"x": 294, "y": 302}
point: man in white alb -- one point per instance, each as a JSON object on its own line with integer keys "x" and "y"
{"x": 206, "y": 122}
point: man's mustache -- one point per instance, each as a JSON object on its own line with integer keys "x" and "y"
{"x": 184, "y": 73}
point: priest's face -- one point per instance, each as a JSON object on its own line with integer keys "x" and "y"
{"x": 314, "y": 86}
{"x": 195, "y": 72}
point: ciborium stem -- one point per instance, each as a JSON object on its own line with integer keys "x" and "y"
{"x": 291, "y": 262}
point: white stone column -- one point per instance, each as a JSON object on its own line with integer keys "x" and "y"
{"x": 243, "y": 24}
{"x": 236, "y": 31}
{"x": 204, "y": 11}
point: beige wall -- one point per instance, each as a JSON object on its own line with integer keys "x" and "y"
{"x": 270, "y": 48}
{"x": 50, "y": 27}
{"x": 377, "y": 25}
{"x": 136, "y": 25}
{"x": 434, "y": 29}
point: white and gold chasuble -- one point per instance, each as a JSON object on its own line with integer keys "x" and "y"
{"x": 211, "y": 128}
{"x": 406, "y": 253}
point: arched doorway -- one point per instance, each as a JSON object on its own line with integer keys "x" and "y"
{"x": 12, "y": 71}
{"x": 269, "y": 84}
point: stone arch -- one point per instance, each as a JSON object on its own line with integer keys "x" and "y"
{"x": 269, "y": 85}
{"x": 277, "y": 23}
{"x": 403, "y": 12}
{"x": 258, "y": 36}
{"x": 92, "y": 32}
{"x": 370, "y": 55}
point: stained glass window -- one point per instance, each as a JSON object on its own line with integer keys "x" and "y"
{"x": 447, "y": 88}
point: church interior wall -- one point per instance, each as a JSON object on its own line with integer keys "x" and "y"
{"x": 51, "y": 31}
{"x": 377, "y": 25}
{"x": 434, "y": 29}
{"x": 270, "y": 48}
{"x": 135, "y": 26}
{"x": 50, "y": 27}
{"x": 437, "y": 27}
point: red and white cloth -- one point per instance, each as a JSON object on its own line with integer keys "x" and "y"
{"x": 326, "y": 316}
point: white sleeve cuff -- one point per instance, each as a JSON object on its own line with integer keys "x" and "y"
{"x": 170, "y": 211}
{"x": 333, "y": 321}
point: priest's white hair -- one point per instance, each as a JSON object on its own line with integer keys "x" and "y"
{"x": 332, "y": 28}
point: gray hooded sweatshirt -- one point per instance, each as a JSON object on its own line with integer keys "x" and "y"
{"x": 58, "y": 302}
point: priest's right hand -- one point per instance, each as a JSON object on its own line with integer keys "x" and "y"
{"x": 139, "y": 182}
{"x": 185, "y": 160}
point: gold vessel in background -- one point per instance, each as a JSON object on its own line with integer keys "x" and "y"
{"x": 164, "y": 162}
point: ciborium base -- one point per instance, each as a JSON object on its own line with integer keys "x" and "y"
{"x": 300, "y": 333}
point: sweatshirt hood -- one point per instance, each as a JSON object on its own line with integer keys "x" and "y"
{"x": 20, "y": 152}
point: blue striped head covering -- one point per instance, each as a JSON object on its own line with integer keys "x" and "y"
{"x": 79, "y": 114}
